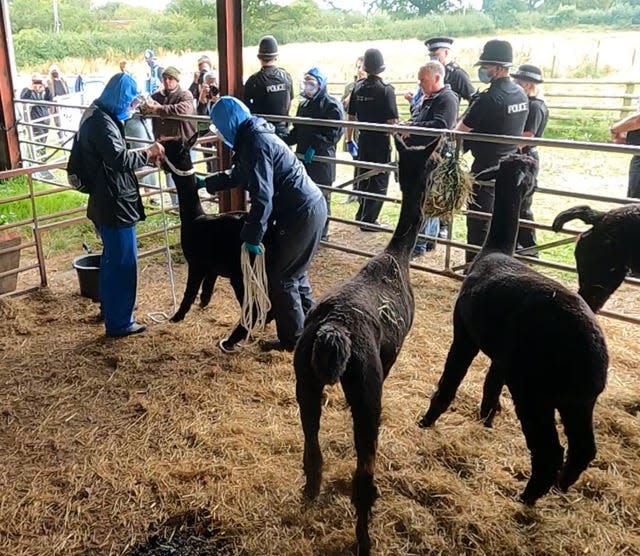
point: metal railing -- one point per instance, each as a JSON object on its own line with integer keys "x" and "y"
{"x": 41, "y": 223}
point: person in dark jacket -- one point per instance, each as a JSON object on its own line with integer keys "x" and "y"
{"x": 530, "y": 78}
{"x": 114, "y": 202}
{"x": 439, "y": 110}
{"x": 372, "y": 100}
{"x": 287, "y": 212}
{"x": 270, "y": 90}
{"x": 39, "y": 113}
{"x": 311, "y": 140}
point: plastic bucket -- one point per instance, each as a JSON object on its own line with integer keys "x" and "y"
{"x": 88, "y": 269}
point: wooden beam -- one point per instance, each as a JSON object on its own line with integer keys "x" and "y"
{"x": 9, "y": 145}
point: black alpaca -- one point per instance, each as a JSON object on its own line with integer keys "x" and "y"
{"x": 354, "y": 336}
{"x": 606, "y": 252}
{"x": 543, "y": 341}
{"x": 210, "y": 242}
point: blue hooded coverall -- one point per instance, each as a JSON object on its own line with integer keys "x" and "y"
{"x": 287, "y": 213}
{"x": 114, "y": 202}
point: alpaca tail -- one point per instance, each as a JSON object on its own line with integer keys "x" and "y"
{"x": 331, "y": 352}
{"x": 583, "y": 212}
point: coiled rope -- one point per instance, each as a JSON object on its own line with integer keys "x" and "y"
{"x": 256, "y": 294}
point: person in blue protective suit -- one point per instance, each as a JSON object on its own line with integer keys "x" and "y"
{"x": 287, "y": 214}
{"x": 313, "y": 140}
{"x": 114, "y": 200}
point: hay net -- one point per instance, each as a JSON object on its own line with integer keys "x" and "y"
{"x": 450, "y": 187}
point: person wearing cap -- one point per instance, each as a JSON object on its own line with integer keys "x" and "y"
{"x": 501, "y": 109}
{"x": 270, "y": 90}
{"x": 439, "y": 110}
{"x": 171, "y": 100}
{"x": 312, "y": 140}
{"x": 372, "y": 100}
{"x": 114, "y": 203}
{"x": 204, "y": 66}
{"x": 287, "y": 214}
{"x": 529, "y": 78}
{"x": 154, "y": 78}
{"x": 458, "y": 79}
{"x": 38, "y": 113}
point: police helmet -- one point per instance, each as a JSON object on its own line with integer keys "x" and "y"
{"x": 527, "y": 72}
{"x": 268, "y": 47}
{"x": 496, "y": 53}
{"x": 373, "y": 61}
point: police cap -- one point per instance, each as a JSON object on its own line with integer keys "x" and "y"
{"x": 438, "y": 42}
{"x": 496, "y": 53}
{"x": 268, "y": 47}
{"x": 527, "y": 72}
{"x": 373, "y": 61}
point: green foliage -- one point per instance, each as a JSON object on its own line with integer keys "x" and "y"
{"x": 410, "y": 8}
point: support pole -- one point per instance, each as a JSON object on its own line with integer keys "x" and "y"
{"x": 229, "y": 14}
{"x": 9, "y": 145}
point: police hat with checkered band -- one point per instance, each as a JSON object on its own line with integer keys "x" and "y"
{"x": 496, "y": 53}
{"x": 438, "y": 42}
{"x": 527, "y": 72}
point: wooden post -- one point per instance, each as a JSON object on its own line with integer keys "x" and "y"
{"x": 629, "y": 89}
{"x": 9, "y": 145}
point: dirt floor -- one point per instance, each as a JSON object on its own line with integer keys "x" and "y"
{"x": 159, "y": 444}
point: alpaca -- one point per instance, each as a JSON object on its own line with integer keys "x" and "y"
{"x": 210, "y": 242}
{"x": 542, "y": 339}
{"x": 606, "y": 252}
{"x": 354, "y": 336}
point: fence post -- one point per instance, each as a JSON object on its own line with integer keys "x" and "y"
{"x": 629, "y": 89}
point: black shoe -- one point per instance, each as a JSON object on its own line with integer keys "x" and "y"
{"x": 274, "y": 345}
{"x": 135, "y": 328}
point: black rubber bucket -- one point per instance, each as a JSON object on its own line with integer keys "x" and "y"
{"x": 88, "y": 269}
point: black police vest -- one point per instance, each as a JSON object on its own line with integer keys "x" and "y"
{"x": 538, "y": 116}
{"x": 269, "y": 91}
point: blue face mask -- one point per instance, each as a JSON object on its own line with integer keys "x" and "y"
{"x": 483, "y": 75}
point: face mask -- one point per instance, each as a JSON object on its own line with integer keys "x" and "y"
{"x": 309, "y": 89}
{"x": 483, "y": 75}
{"x": 134, "y": 105}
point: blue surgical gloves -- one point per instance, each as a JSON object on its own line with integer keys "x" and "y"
{"x": 352, "y": 147}
{"x": 309, "y": 154}
{"x": 201, "y": 183}
{"x": 252, "y": 248}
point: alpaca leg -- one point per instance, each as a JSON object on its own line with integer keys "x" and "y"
{"x": 493, "y": 383}
{"x": 461, "y": 354}
{"x": 194, "y": 279}
{"x": 538, "y": 425}
{"x": 577, "y": 419}
{"x": 365, "y": 400}
{"x": 309, "y": 395}
{"x": 207, "y": 289}
{"x": 239, "y": 333}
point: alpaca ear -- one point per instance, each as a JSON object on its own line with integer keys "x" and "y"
{"x": 192, "y": 140}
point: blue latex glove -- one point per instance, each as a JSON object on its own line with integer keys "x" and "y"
{"x": 252, "y": 248}
{"x": 201, "y": 183}
{"x": 309, "y": 154}
{"x": 352, "y": 148}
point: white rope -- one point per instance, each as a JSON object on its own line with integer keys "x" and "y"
{"x": 256, "y": 294}
{"x": 177, "y": 171}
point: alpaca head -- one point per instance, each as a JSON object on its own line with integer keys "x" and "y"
{"x": 178, "y": 151}
{"x": 414, "y": 165}
{"x": 516, "y": 171}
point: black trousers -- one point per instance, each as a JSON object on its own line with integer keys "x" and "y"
{"x": 477, "y": 228}
{"x": 369, "y": 209}
{"x": 290, "y": 247}
{"x": 527, "y": 236}
{"x": 633, "y": 190}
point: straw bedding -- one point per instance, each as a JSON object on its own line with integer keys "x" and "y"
{"x": 158, "y": 444}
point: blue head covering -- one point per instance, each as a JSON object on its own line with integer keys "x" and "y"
{"x": 227, "y": 115}
{"x": 118, "y": 95}
{"x": 321, "y": 77}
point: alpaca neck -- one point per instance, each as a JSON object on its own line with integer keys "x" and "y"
{"x": 189, "y": 200}
{"x": 409, "y": 223}
{"x": 504, "y": 221}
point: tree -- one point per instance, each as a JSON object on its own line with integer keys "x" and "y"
{"x": 409, "y": 8}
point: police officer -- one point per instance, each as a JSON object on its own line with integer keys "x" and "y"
{"x": 270, "y": 90}
{"x": 529, "y": 78}
{"x": 312, "y": 140}
{"x": 501, "y": 109}
{"x": 372, "y": 100}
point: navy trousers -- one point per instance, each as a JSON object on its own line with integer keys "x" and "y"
{"x": 290, "y": 247}
{"x": 118, "y": 279}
